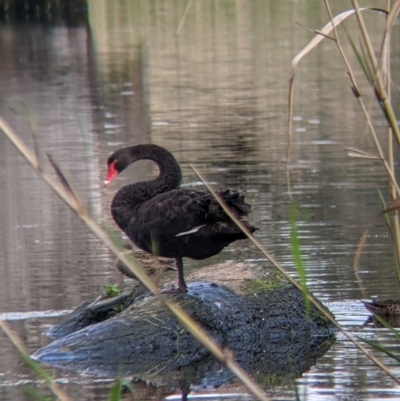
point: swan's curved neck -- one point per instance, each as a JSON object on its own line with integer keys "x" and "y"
{"x": 131, "y": 195}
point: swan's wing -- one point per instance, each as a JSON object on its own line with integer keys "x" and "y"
{"x": 183, "y": 210}
{"x": 174, "y": 212}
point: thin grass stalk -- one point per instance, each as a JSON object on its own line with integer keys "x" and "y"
{"x": 334, "y": 21}
{"x": 376, "y": 346}
{"x": 379, "y": 87}
{"x": 389, "y": 165}
{"x": 184, "y": 16}
{"x": 387, "y": 326}
{"x": 378, "y": 82}
{"x": 381, "y": 156}
{"x": 54, "y": 387}
{"x": 341, "y": 51}
{"x": 361, "y": 154}
{"x": 390, "y": 21}
{"x": 298, "y": 257}
{"x": 290, "y": 135}
{"x": 357, "y": 94}
{"x": 72, "y": 200}
{"x": 312, "y": 299}
{"x": 385, "y": 59}
{"x": 323, "y": 33}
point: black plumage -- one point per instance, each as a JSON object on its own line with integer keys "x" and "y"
{"x": 163, "y": 219}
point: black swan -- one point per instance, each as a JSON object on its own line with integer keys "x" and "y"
{"x": 165, "y": 220}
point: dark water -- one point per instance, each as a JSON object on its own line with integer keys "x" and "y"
{"x": 216, "y": 96}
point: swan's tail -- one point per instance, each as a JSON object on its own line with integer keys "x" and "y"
{"x": 236, "y": 202}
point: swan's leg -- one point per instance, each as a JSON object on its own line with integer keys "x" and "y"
{"x": 181, "y": 279}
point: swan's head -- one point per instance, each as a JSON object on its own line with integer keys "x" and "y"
{"x": 122, "y": 158}
{"x": 116, "y": 163}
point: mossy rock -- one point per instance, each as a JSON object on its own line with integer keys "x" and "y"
{"x": 245, "y": 307}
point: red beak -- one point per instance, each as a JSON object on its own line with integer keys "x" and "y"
{"x": 111, "y": 173}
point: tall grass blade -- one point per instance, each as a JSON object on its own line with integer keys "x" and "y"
{"x": 386, "y": 325}
{"x": 298, "y": 259}
{"x": 380, "y": 348}
{"x": 390, "y": 22}
{"x": 115, "y": 392}
{"x": 362, "y": 60}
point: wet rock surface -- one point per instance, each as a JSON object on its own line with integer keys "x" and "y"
{"x": 258, "y": 316}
